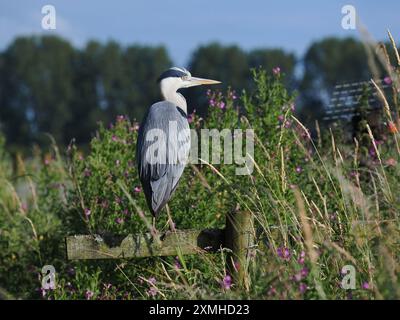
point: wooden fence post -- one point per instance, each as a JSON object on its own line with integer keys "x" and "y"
{"x": 239, "y": 237}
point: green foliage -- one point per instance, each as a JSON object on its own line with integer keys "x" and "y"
{"x": 103, "y": 205}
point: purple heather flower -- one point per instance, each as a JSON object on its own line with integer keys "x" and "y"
{"x": 301, "y": 275}
{"x": 152, "y": 280}
{"x": 212, "y": 102}
{"x": 114, "y": 138}
{"x": 301, "y": 258}
{"x": 297, "y": 277}
{"x": 87, "y": 212}
{"x": 137, "y": 189}
{"x": 299, "y": 169}
{"x": 226, "y": 282}
{"x": 388, "y": 80}
{"x": 120, "y": 118}
{"x": 372, "y": 152}
{"x": 119, "y": 220}
{"x": 134, "y": 128}
{"x": 222, "y": 105}
{"x": 304, "y": 272}
{"x": 288, "y": 124}
{"x": 152, "y": 292}
{"x": 177, "y": 265}
{"x": 365, "y": 286}
{"x": 302, "y": 287}
{"x": 283, "y": 253}
{"x": 89, "y": 294}
{"x": 281, "y": 118}
{"x": 232, "y": 94}
{"x": 276, "y": 70}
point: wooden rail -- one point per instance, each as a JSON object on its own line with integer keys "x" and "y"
{"x": 238, "y": 236}
{"x": 82, "y": 247}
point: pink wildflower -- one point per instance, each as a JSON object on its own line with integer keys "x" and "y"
{"x": 302, "y": 287}
{"x": 226, "y": 282}
{"x": 388, "y": 80}
{"x": 276, "y": 70}
{"x": 87, "y": 212}
{"x": 89, "y": 294}
{"x": 284, "y": 253}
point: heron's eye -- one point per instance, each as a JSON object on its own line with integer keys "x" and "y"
{"x": 185, "y": 78}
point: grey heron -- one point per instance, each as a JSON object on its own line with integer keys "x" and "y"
{"x": 164, "y": 139}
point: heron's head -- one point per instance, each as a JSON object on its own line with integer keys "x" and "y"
{"x": 177, "y": 78}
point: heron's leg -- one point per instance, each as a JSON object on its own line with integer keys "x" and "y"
{"x": 154, "y": 232}
{"x": 170, "y": 221}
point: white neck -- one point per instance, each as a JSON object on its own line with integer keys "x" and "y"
{"x": 169, "y": 93}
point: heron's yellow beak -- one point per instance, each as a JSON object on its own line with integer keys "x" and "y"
{"x": 193, "y": 81}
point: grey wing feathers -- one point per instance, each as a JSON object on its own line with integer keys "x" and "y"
{"x": 162, "y": 151}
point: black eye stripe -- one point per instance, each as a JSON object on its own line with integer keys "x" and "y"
{"x": 172, "y": 73}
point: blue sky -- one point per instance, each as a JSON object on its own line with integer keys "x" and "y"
{"x": 183, "y": 25}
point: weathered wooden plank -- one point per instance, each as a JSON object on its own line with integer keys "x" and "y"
{"x": 143, "y": 245}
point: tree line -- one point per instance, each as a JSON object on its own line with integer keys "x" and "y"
{"x": 48, "y": 86}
